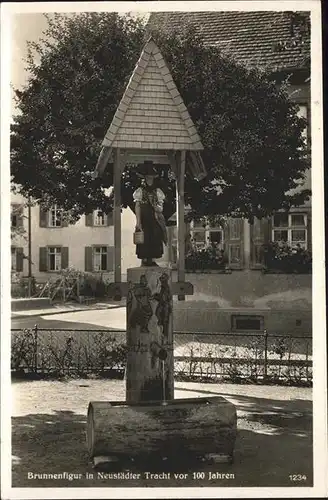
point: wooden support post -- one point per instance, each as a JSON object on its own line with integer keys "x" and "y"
{"x": 180, "y": 219}
{"x": 117, "y": 216}
{"x": 169, "y": 244}
{"x": 149, "y": 330}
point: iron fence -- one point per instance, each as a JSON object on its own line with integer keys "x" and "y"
{"x": 238, "y": 357}
{"x": 197, "y": 356}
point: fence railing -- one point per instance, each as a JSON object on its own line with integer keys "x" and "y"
{"x": 197, "y": 356}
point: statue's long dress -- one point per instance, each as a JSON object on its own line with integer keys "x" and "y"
{"x": 152, "y": 248}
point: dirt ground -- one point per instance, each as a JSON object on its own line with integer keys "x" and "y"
{"x": 274, "y": 439}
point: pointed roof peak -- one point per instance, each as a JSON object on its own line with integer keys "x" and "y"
{"x": 150, "y": 39}
{"x": 150, "y": 46}
{"x": 152, "y": 114}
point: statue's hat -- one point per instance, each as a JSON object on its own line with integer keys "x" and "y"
{"x": 147, "y": 168}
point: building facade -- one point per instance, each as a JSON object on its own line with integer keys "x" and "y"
{"x": 280, "y": 43}
{"x": 86, "y": 245}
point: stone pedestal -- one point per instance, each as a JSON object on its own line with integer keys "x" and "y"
{"x": 149, "y": 373}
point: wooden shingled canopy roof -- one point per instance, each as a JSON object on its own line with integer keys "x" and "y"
{"x": 152, "y": 116}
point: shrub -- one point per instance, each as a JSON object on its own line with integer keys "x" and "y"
{"x": 20, "y": 286}
{"x": 22, "y": 351}
{"x": 89, "y": 285}
{"x": 286, "y": 258}
{"x": 205, "y": 257}
{"x": 62, "y": 355}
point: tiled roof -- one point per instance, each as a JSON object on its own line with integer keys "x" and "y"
{"x": 273, "y": 40}
{"x": 151, "y": 114}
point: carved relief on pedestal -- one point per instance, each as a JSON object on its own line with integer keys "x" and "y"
{"x": 149, "y": 305}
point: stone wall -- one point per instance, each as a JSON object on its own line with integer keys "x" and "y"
{"x": 283, "y": 300}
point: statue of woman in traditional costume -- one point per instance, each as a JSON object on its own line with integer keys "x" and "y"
{"x": 149, "y": 200}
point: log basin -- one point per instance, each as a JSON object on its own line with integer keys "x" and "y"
{"x": 197, "y": 426}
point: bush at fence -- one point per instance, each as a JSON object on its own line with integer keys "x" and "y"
{"x": 62, "y": 353}
{"x": 241, "y": 358}
{"x": 233, "y": 358}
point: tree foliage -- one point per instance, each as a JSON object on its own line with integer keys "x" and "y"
{"x": 17, "y": 230}
{"x": 254, "y": 150}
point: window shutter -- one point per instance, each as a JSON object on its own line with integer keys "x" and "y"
{"x": 89, "y": 219}
{"x": 88, "y": 253}
{"x": 64, "y": 257}
{"x": 12, "y": 213}
{"x": 260, "y": 235}
{"x": 110, "y": 219}
{"x": 43, "y": 217}
{"x": 19, "y": 259}
{"x": 17, "y": 210}
{"x": 234, "y": 242}
{"x": 43, "y": 262}
{"x": 20, "y": 212}
{"x": 110, "y": 258}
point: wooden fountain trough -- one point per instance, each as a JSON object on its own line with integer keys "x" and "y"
{"x": 198, "y": 426}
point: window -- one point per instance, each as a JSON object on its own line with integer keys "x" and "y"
{"x": 54, "y": 258}
{"x": 100, "y": 258}
{"x": 16, "y": 215}
{"x": 203, "y": 233}
{"x": 290, "y": 229}
{"x": 13, "y": 258}
{"x": 216, "y": 236}
{"x": 247, "y": 323}
{"x": 55, "y": 216}
{"x": 99, "y": 218}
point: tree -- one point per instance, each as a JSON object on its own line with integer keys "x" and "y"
{"x": 254, "y": 150}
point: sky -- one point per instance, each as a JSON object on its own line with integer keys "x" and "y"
{"x": 25, "y": 27}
